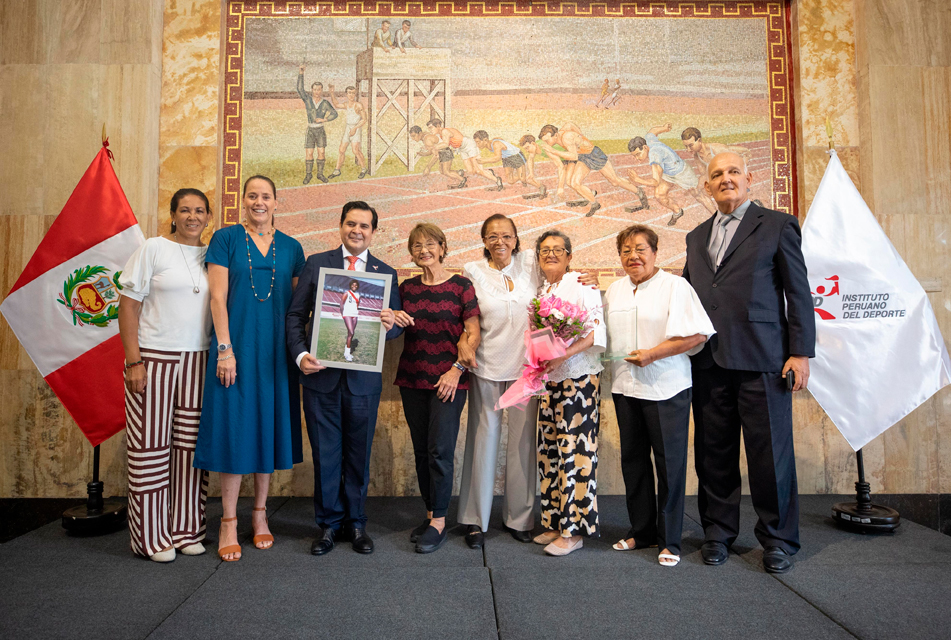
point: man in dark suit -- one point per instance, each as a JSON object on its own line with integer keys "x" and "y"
{"x": 340, "y": 405}
{"x": 747, "y": 267}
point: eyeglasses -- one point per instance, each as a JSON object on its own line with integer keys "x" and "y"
{"x": 494, "y": 238}
{"x": 557, "y": 252}
{"x": 429, "y": 246}
{"x": 641, "y": 251}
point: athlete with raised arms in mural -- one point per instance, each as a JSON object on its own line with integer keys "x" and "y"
{"x": 583, "y": 158}
{"x": 452, "y": 139}
{"x": 319, "y": 111}
{"x": 355, "y": 116}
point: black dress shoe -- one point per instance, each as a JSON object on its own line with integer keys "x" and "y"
{"x": 474, "y": 536}
{"x": 714, "y": 553}
{"x": 776, "y": 560}
{"x": 360, "y": 541}
{"x": 521, "y": 536}
{"x": 324, "y": 543}
{"x": 431, "y": 540}
{"x": 418, "y": 531}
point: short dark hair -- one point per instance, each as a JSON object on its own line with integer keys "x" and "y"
{"x": 480, "y": 135}
{"x": 415, "y": 129}
{"x": 181, "y": 193}
{"x": 553, "y": 233}
{"x": 435, "y": 122}
{"x": 386, "y": 22}
{"x": 317, "y": 84}
{"x": 350, "y": 87}
{"x": 353, "y": 282}
{"x": 493, "y": 218}
{"x": 431, "y": 231}
{"x": 526, "y": 139}
{"x": 407, "y": 23}
{"x": 548, "y": 129}
{"x": 259, "y": 177}
{"x": 690, "y": 132}
{"x": 362, "y": 206}
{"x": 636, "y": 143}
{"x": 637, "y": 230}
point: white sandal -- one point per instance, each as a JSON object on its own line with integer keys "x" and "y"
{"x": 671, "y": 560}
{"x": 622, "y": 545}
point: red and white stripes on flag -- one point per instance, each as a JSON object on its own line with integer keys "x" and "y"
{"x": 166, "y": 493}
{"x": 64, "y": 306}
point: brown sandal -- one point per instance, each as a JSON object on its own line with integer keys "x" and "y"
{"x": 231, "y": 548}
{"x": 264, "y": 537}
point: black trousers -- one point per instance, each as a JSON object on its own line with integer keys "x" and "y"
{"x": 661, "y": 426}
{"x": 433, "y": 427}
{"x": 723, "y": 400}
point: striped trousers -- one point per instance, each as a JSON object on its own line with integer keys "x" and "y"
{"x": 166, "y": 493}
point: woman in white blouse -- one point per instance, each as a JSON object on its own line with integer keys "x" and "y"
{"x": 568, "y": 415}
{"x": 656, "y": 320}
{"x": 165, "y": 325}
{"x": 505, "y": 281}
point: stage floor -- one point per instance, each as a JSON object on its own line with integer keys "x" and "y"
{"x": 842, "y": 585}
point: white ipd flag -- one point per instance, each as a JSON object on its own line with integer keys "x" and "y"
{"x": 879, "y": 352}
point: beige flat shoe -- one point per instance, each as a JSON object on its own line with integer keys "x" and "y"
{"x": 546, "y": 538}
{"x": 194, "y": 549}
{"x": 553, "y": 550}
{"x": 167, "y": 555}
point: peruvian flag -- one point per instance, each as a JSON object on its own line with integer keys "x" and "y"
{"x": 64, "y": 307}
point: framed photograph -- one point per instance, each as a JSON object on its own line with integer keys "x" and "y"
{"x": 347, "y": 332}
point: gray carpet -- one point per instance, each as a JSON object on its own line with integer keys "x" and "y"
{"x": 842, "y": 585}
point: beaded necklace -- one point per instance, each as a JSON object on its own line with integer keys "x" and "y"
{"x": 273, "y": 266}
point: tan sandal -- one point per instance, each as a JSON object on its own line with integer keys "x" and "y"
{"x": 264, "y": 537}
{"x": 231, "y": 549}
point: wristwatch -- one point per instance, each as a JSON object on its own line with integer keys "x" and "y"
{"x": 459, "y": 366}
{"x": 223, "y": 347}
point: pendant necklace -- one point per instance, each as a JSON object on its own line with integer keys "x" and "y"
{"x": 273, "y": 266}
{"x": 195, "y": 288}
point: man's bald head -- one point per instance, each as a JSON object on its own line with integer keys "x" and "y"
{"x": 728, "y": 181}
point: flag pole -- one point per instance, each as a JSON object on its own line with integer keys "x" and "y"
{"x": 862, "y": 516}
{"x": 97, "y": 515}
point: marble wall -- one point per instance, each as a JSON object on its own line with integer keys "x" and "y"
{"x": 880, "y": 70}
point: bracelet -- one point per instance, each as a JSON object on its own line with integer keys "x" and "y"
{"x": 459, "y": 366}
{"x": 132, "y": 364}
{"x": 230, "y": 355}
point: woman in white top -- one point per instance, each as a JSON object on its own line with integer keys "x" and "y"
{"x": 568, "y": 415}
{"x": 505, "y": 282}
{"x": 656, "y": 320}
{"x": 350, "y": 312}
{"x": 165, "y": 325}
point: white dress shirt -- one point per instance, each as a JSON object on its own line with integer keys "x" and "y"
{"x": 503, "y": 314}
{"x": 570, "y": 289}
{"x": 667, "y": 307}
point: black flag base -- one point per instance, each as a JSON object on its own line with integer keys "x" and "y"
{"x": 862, "y": 516}
{"x": 97, "y": 516}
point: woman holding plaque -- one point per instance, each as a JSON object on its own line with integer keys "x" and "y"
{"x": 251, "y": 422}
{"x": 655, "y": 322}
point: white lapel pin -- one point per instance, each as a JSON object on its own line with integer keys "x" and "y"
{"x": 376, "y": 267}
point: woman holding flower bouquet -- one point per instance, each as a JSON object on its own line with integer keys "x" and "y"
{"x": 568, "y": 415}
{"x": 655, "y": 321}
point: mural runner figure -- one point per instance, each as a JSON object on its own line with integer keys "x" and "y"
{"x": 615, "y": 95}
{"x": 404, "y": 35}
{"x": 453, "y": 140}
{"x": 355, "y": 116}
{"x": 443, "y": 156}
{"x": 583, "y": 158}
{"x": 513, "y": 161}
{"x": 319, "y": 111}
{"x": 350, "y": 313}
{"x": 703, "y": 151}
{"x": 667, "y": 168}
{"x": 383, "y": 39}
{"x": 605, "y": 90}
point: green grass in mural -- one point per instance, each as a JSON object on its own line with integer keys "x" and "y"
{"x": 332, "y": 339}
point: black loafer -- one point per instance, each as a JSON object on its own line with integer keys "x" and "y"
{"x": 521, "y": 536}
{"x": 418, "y": 531}
{"x": 776, "y": 560}
{"x": 360, "y": 541}
{"x": 714, "y": 553}
{"x": 474, "y": 536}
{"x": 324, "y": 543}
{"x": 431, "y": 540}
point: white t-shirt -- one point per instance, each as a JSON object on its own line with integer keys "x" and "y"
{"x": 667, "y": 307}
{"x": 503, "y": 314}
{"x": 162, "y": 275}
{"x": 570, "y": 289}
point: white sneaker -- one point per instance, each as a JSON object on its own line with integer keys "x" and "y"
{"x": 348, "y": 357}
{"x": 195, "y": 549}
{"x": 163, "y": 556}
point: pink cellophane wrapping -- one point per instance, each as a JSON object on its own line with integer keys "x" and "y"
{"x": 540, "y": 346}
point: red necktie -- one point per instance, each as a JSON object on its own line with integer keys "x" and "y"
{"x": 353, "y": 263}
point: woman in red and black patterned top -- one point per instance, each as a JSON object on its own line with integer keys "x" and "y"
{"x": 439, "y": 311}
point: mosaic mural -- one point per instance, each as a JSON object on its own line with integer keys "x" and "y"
{"x": 555, "y": 114}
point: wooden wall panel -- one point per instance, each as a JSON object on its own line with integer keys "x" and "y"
{"x": 72, "y": 30}
{"x": 23, "y": 98}
{"x": 22, "y": 32}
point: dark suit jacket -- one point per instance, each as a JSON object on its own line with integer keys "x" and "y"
{"x": 297, "y": 324}
{"x": 759, "y": 299}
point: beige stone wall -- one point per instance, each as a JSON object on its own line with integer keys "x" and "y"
{"x": 879, "y": 69}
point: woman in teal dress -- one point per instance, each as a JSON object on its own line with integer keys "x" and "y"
{"x": 251, "y": 417}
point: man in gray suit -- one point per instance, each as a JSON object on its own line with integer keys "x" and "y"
{"x": 746, "y": 264}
